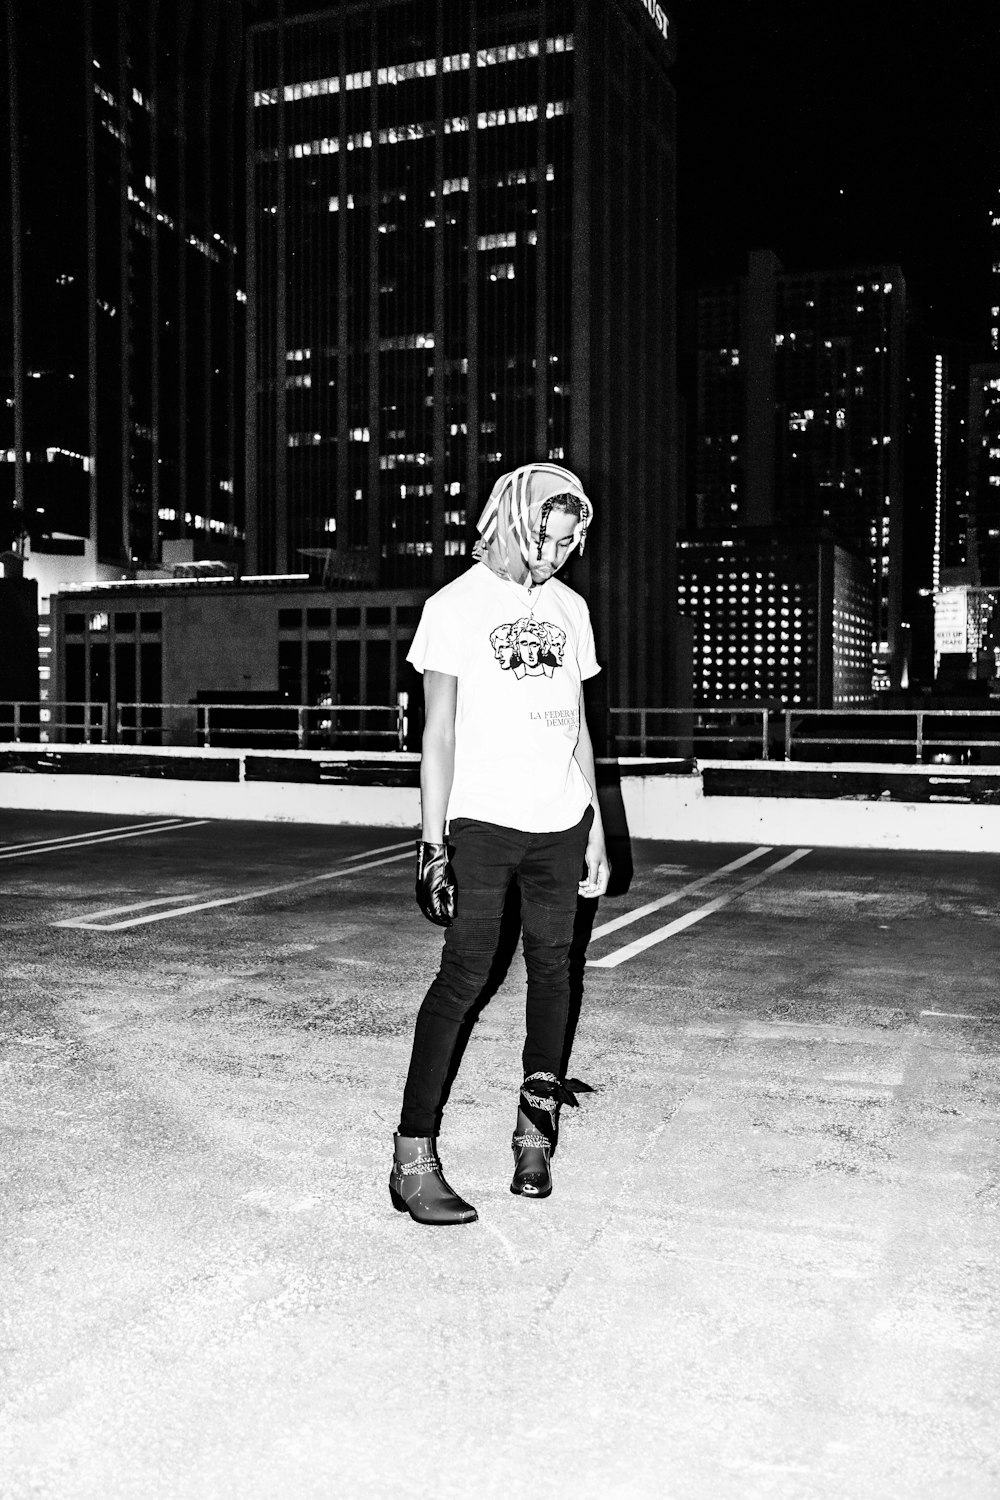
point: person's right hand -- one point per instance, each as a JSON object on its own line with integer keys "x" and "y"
{"x": 435, "y": 884}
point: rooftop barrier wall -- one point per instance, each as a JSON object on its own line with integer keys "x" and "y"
{"x": 860, "y": 806}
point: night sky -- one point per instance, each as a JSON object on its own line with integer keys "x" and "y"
{"x": 840, "y": 134}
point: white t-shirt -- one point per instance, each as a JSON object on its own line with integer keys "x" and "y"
{"x": 520, "y": 656}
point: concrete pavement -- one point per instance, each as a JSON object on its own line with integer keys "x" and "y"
{"x": 768, "y": 1270}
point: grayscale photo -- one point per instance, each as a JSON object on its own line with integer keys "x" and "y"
{"x": 499, "y": 732}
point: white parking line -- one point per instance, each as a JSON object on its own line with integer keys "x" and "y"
{"x": 678, "y": 895}
{"x": 94, "y": 833}
{"x": 688, "y": 920}
{"x": 103, "y": 836}
{"x": 94, "y": 924}
{"x": 384, "y": 849}
{"x": 93, "y": 920}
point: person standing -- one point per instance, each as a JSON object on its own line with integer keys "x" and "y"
{"x": 508, "y": 765}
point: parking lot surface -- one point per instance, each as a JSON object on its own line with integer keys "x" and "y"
{"x": 768, "y": 1270}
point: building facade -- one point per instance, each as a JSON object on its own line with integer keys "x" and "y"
{"x": 993, "y": 323}
{"x": 171, "y": 645}
{"x": 955, "y": 549}
{"x": 983, "y": 451}
{"x": 967, "y": 579}
{"x": 461, "y": 235}
{"x": 800, "y": 417}
{"x": 123, "y": 290}
{"x": 781, "y": 616}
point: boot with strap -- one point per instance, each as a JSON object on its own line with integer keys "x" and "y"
{"x": 417, "y": 1185}
{"x": 535, "y": 1134}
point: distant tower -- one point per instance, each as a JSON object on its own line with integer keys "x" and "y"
{"x": 800, "y": 416}
{"x": 970, "y": 576}
{"x": 121, "y": 281}
{"x": 984, "y": 425}
{"x": 462, "y": 229}
{"x": 955, "y": 557}
{"x": 994, "y": 281}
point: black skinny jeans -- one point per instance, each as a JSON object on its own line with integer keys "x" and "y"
{"x": 486, "y": 858}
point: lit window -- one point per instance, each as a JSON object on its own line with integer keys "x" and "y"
{"x": 407, "y": 341}
{"x": 500, "y": 241}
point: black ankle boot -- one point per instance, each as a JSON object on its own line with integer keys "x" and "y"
{"x": 417, "y": 1185}
{"x": 535, "y": 1134}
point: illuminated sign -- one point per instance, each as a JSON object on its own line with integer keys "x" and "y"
{"x": 659, "y": 18}
{"x": 951, "y": 621}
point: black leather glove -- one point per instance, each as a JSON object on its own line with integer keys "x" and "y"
{"x": 435, "y": 884}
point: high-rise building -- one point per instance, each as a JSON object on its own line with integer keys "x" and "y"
{"x": 800, "y": 416}
{"x": 122, "y": 291}
{"x": 983, "y": 450}
{"x": 955, "y": 552}
{"x": 461, "y": 235}
{"x": 967, "y": 582}
{"x": 781, "y": 615}
{"x": 984, "y": 424}
{"x": 994, "y": 276}
{"x": 967, "y": 422}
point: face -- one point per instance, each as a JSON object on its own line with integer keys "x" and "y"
{"x": 528, "y": 646}
{"x": 556, "y": 548}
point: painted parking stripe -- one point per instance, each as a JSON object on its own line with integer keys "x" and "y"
{"x": 384, "y": 849}
{"x": 685, "y": 890}
{"x": 94, "y": 833}
{"x": 93, "y": 919}
{"x": 186, "y": 898}
{"x": 688, "y": 920}
{"x": 139, "y": 832}
{"x": 94, "y": 924}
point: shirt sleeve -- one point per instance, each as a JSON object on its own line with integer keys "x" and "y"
{"x": 586, "y": 654}
{"x": 437, "y": 644}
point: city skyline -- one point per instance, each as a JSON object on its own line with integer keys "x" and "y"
{"x": 841, "y": 135}
{"x": 831, "y": 138}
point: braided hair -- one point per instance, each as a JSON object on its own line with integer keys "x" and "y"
{"x": 566, "y": 504}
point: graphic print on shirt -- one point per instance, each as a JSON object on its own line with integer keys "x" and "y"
{"x": 528, "y": 647}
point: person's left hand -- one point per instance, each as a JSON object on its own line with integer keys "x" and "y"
{"x": 595, "y": 883}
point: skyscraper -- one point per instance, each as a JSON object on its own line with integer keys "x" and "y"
{"x": 122, "y": 291}
{"x": 967, "y": 584}
{"x": 461, "y": 227}
{"x": 984, "y": 424}
{"x": 781, "y": 615}
{"x": 800, "y": 416}
{"x": 994, "y": 276}
{"x": 984, "y": 467}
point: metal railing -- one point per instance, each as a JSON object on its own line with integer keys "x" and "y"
{"x": 685, "y": 732}
{"x": 733, "y": 732}
{"x": 729, "y": 733}
{"x": 296, "y": 726}
{"x": 66, "y": 723}
{"x": 922, "y": 733}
